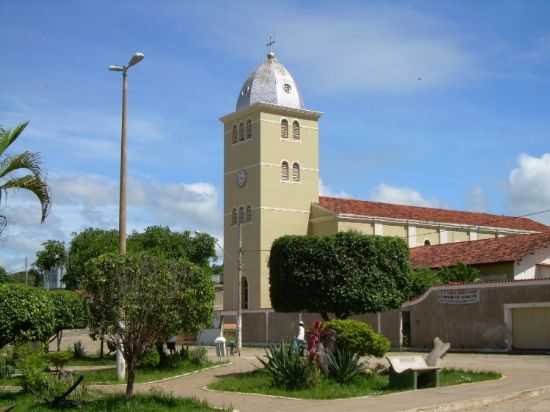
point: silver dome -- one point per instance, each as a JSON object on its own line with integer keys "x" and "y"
{"x": 270, "y": 83}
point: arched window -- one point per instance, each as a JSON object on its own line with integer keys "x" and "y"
{"x": 241, "y": 132}
{"x": 284, "y": 171}
{"x": 234, "y": 135}
{"x": 296, "y": 130}
{"x": 241, "y": 214}
{"x": 249, "y": 213}
{"x": 284, "y": 129}
{"x": 249, "y": 129}
{"x": 244, "y": 293}
{"x": 427, "y": 242}
{"x": 295, "y": 172}
{"x": 234, "y": 217}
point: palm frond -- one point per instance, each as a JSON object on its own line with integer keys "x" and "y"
{"x": 8, "y": 136}
{"x": 26, "y": 160}
{"x": 34, "y": 184}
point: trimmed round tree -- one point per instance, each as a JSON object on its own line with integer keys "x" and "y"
{"x": 343, "y": 274}
{"x": 139, "y": 299}
{"x": 70, "y": 312}
{"x": 27, "y": 314}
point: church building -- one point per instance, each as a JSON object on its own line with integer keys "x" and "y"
{"x": 271, "y": 186}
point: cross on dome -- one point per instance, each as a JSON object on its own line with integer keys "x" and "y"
{"x": 270, "y": 44}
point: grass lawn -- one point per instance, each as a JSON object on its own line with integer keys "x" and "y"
{"x": 92, "y": 360}
{"x": 259, "y": 381}
{"x": 108, "y": 376}
{"x": 110, "y": 403}
{"x": 142, "y": 374}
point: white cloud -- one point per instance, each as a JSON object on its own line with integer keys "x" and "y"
{"x": 92, "y": 201}
{"x": 529, "y": 185}
{"x": 346, "y": 49}
{"x": 400, "y": 195}
{"x": 325, "y": 190}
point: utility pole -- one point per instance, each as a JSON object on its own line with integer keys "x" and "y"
{"x": 239, "y": 286}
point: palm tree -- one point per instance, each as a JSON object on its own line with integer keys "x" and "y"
{"x": 27, "y": 162}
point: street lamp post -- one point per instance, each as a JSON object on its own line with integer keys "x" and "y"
{"x": 135, "y": 59}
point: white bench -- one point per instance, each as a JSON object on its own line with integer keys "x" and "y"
{"x": 417, "y": 371}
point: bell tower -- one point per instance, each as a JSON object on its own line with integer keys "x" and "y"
{"x": 271, "y": 177}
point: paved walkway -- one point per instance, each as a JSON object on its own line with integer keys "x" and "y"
{"x": 536, "y": 404}
{"x": 521, "y": 373}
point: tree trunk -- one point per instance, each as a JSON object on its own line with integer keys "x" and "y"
{"x": 59, "y": 337}
{"x": 131, "y": 375}
{"x": 102, "y": 341}
{"x": 325, "y": 316}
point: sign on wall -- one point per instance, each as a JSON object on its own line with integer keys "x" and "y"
{"x": 459, "y": 296}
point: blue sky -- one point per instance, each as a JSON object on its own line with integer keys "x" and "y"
{"x": 439, "y": 103}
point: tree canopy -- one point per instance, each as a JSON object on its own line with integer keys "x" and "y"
{"x": 26, "y": 314}
{"x": 52, "y": 255}
{"x": 91, "y": 243}
{"x": 142, "y": 298}
{"x": 343, "y": 274}
{"x": 86, "y": 245}
{"x": 4, "y": 276}
{"x": 423, "y": 278}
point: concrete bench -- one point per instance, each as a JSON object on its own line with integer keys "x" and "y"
{"x": 416, "y": 372}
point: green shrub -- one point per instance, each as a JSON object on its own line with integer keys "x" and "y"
{"x": 345, "y": 273}
{"x": 358, "y": 337}
{"x": 78, "y": 350}
{"x": 150, "y": 359}
{"x": 26, "y": 314}
{"x": 288, "y": 369}
{"x": 422, "y": 279}
{"x": 343, "y": 366}
{"x": 199, "y": 356}
{"x": 459, "y": 273}
{"x": 59, "y": 359}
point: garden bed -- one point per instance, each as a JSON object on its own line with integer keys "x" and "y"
{"x": 259, "y": 381}
{"x": 101, "y": 403}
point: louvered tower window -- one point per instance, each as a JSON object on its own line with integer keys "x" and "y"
{"x": 284, "y": 129}
{"x": 241, "y": 132}
{"x": 295, "y": 172}
{"x": 284, "y": 171}
{"x": 295, "y": 130}
{"x": 249, "y": 129}
{"x": 234, "y": 135}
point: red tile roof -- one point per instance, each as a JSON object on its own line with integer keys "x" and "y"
{"x": 388, "y": 210}
{"x": 502, "y": 249}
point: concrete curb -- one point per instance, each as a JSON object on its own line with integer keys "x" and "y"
{"x": 481, "y": 402}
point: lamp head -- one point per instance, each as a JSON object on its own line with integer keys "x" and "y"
{"x": 115, "y": 68}
{"x": 136, "y": 58}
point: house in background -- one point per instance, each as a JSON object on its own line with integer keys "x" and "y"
{"x": 53, "y": 279}
{"x": 517, "y": 257}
